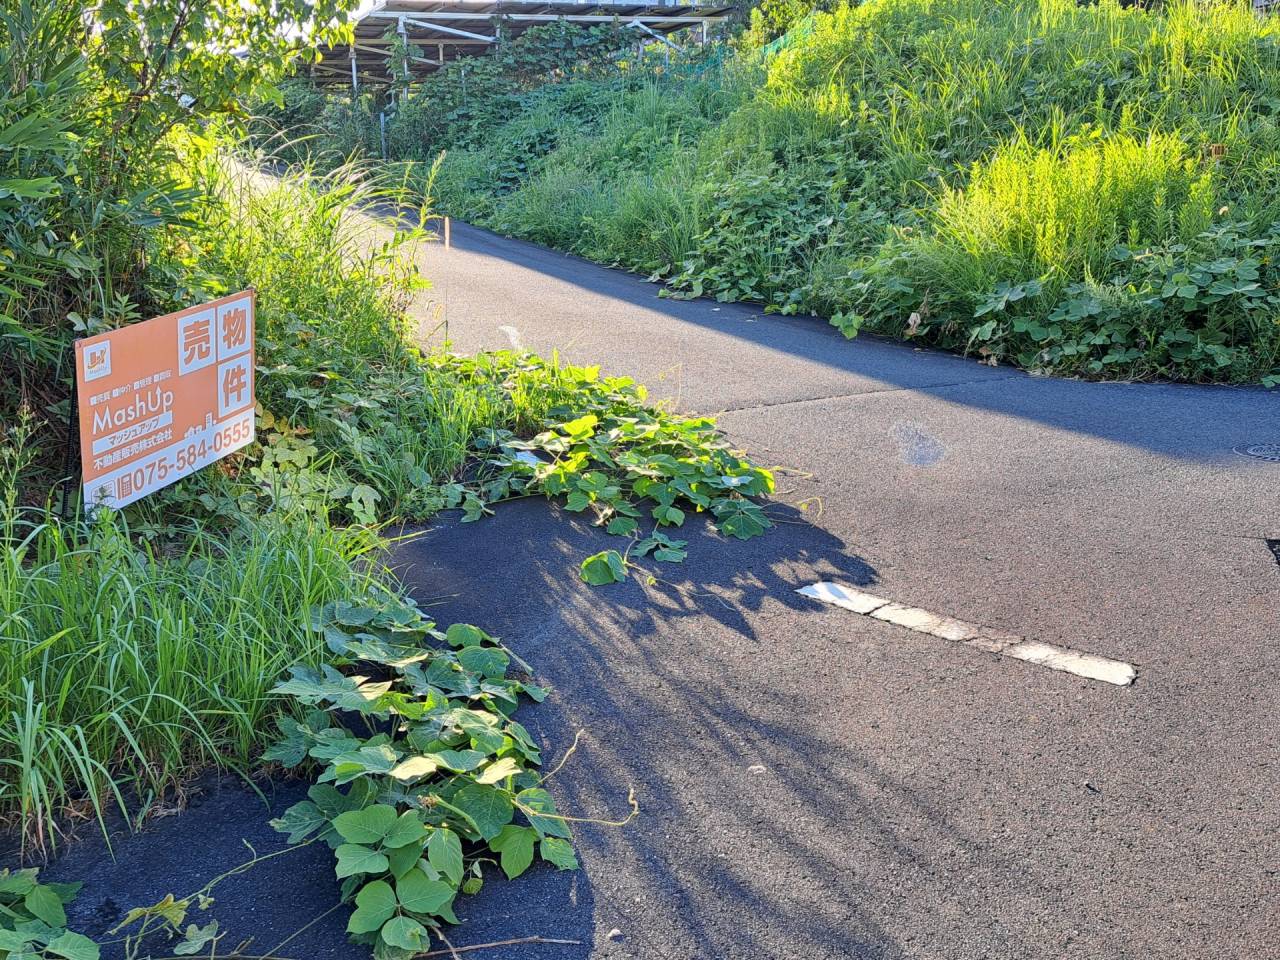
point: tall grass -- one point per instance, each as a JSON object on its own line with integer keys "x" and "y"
{"x": 1057, "y": 214}
{"x": 331, "y": 279}
{"x": 123, "y": 668}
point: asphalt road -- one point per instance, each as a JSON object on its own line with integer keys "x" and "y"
{"x": 821, "y": 785}
{"x": 815, "y": 784}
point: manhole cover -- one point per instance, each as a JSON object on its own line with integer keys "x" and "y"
{"x": 1261, "y": 451}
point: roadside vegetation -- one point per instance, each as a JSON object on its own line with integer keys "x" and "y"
{"x": 244, "y": 619}
{"x": 1081, "y": 189}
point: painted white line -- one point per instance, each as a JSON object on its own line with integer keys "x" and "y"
{"x": 1088, "y": 665}
{"x": 854, "y": 600}
{"x": 1081, "y": 664}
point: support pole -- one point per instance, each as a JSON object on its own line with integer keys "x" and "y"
{"x": 73, "y": 420}
{"x": 355, "y": 81}
{"x": 405, "y": 37}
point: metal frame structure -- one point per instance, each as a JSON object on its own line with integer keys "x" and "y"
{"x": 447, "y": 30}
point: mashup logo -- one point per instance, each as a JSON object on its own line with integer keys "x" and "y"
{"x": 97, "y": 361}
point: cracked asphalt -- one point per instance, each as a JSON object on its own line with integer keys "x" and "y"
{"x": 819, "y": 785}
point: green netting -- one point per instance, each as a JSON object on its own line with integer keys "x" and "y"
{"x": 799, "y": 29}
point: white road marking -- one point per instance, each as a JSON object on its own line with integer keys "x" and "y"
{"x": 1088, "y": 665}
{"x": 513, "y": 336}
{"x": 854, "y": 600}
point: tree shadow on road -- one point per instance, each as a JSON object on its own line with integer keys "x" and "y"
{"x": 760, "y": 809}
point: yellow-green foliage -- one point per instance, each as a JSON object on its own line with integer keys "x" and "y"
{"x": 1057, "y": 213}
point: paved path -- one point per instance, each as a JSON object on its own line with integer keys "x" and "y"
{"x": 818, "y": 784}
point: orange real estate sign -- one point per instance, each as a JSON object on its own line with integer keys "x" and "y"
{"x": 162, "y": 398}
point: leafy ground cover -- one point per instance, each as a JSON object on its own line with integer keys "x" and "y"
{"x": 447, "y": 782}
{"x": 1083, "y": 189}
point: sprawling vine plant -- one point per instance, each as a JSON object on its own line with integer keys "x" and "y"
{"x": 632, "y": 467}
{"x": 33, "y": 919}
{"x": 424, "y": 776}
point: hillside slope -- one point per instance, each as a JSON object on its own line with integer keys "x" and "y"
{"x": 1086, "y": 190}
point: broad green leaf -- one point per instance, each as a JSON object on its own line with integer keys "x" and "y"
{"x": 419, "y": 894}
{"x": 558, "y": 851}
{"x": 76, "y": 946}
{"x": 43, "y": 903}
{"x": 580, "y": 428}
{"x": 741, "y": 519}
{"x": 465, "y": 635}
{"x": 20, "y": 882}
{"x": 461, "y": 760}
{"x": 403, "y": 859}
{"x": 368, "y": 759}
{"x": 483, "y": 728}
{"x": 408, "y": 828}
{"x": 12, "y": 942}
{"x": 331, "y": 801}
{"x": 291, "y": 749}
{"x": 489, "y": 807}
{"x": 604, "y": 567}
{"x": 668, "y": 515}
{"x": 524, "y": 742}
{"x": 66, "y": 891}
{"x": 354, "y": 859}
{"x": 367, "y": 826}
{"x": 300, "y": 821}
{"x": 196, "y": 939}
{"x": 499, "y": 770}
{"x": 354, "y": 614}
{"x": 415, "y": 768}
{"x": 541, "y": 809}
{"x": 663, "y": 548}
{"x": 514, "y": 845}
{"x": 444, "y": 850}
{"x": 621, "y": 526}
{"x": 536, "y": 693}
{"x": 310, "y": 686}
{"x": 375, "y": 905}
{"x": 486, "y": 661}
{"x": 405, "y": 933}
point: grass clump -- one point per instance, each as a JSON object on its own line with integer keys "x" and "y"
{"x": 126, "y": 667}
